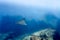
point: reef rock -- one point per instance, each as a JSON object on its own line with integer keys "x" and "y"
{"x": 46, "y": 34}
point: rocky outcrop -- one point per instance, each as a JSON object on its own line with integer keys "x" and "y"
{"x": 46, "y": 34}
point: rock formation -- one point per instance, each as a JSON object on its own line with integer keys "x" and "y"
{"x": 46, "y": 34}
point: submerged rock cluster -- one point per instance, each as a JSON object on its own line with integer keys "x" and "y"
{"x": 46, "y": 34}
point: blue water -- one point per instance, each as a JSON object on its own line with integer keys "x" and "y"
{"x": 9, "y": 19}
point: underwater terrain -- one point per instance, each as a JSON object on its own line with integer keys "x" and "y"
{"x": 21, "y": 22}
